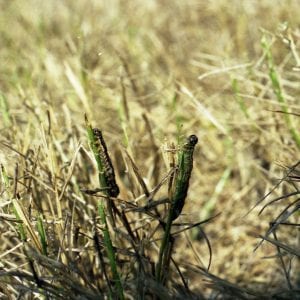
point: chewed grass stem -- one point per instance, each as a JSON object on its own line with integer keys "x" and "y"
{"x": 110, "y": 188}
{"x": 182, "y": 178}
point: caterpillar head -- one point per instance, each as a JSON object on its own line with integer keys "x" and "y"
{"x": 192, "y": 140}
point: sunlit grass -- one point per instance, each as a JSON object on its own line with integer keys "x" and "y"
{"x": 148, "y": 75}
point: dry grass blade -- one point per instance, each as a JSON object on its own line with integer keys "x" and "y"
{"x": 291, "y": 170}
{"x": 281, "y": 245}
{"x": 146, "y": 78}
{"x": 225, "y": 288}
{"x": 10, "y": 218}
{"x": 76, "y": 84}
{"x": 71, "y": 170}
{"x": 277, "y": 199}
{"x": 64, "y": 275}
{"x": 281, "y": 218}
{"x": 27, "y": 223}
{"x": 285, "y": 268}
{"x": 137, "y": 174}
{"x": 203, "y": 110}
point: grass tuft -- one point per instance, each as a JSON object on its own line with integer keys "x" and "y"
{"x": 133, "y": 210}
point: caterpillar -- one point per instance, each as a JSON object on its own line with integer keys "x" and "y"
{"x": 108, "y": 169}
{"x": 185, "y": 167}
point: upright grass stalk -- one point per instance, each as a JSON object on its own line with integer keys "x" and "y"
{"x": 110, "y": 252}
{"x": 105, "y": 169}
{"x": 7, "y": 185}
{"x": 4, "y": 177}
{"x": 110, "y": 188}
{"x": 185, "y": 166}
{"x": 42, "y": 235}
{"x": 26, "y": 229}
{"x": 21, "y": 229}
{"x": 100, "y": 165}
{"x": 274, "y": 77}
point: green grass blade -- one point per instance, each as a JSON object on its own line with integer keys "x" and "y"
{"x": 92, "y": 143}
{"x": 209, "y": 207}
{"x": 274, "y": 77}
{"x": 185, "y": 166}
{"x": 110, "y": 251}
{"x": 6, "y": 184}
{"x": 20, "y": 226}
{"x": 104, "y": 184}
{"x": 42, "y": 235}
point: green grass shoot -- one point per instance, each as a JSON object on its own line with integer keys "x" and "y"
{"x": 132, "y": 210}
{"x": 110, "y": 252}
{"x": 277, "y": 87}
{"x": 105, "y": 185}
{"x": 42, "y": 235}
{"x": 181, "y": 185}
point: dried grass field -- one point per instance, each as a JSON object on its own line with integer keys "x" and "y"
{"x": 149, "y": 215}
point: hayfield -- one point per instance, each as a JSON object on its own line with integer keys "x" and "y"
{"x": 149, "y": 74}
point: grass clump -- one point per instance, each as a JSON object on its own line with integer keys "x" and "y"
{"x": 115, "y": 213}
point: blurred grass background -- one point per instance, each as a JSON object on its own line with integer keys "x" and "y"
{"x": 179, "y": 68}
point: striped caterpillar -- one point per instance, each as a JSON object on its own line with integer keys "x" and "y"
{"x": 185, "y": 167}
{"x": 108, "y": 169}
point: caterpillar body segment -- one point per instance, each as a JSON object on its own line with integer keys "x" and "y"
{"x": 108, "y": 169}
{"x": 185, "y": 167}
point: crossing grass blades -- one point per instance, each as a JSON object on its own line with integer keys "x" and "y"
{"x": 116, "y": 248}
{"x": 109, "y": 246}
{"x": 146, "y": 272}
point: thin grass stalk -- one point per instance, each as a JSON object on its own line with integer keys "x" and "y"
{"x": 42, "y": 235}
{"x": 25, "y": 226}
{"x": 100, "y": 166}
{"x": 274, "y": 77}
{"x": 20, "y": 226}
{"x": 283, "y": 265}
{"x": 185, "y": 166}
{"x": 102, "y": 264}
{"x": 4, "y": 178}
{"x": 110, "y": 251}
{"x": 105, "y": 169}
{"x": 163, "y": 248}
{"x": 110, "y": 188}
{"x": 6, "y": 183}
